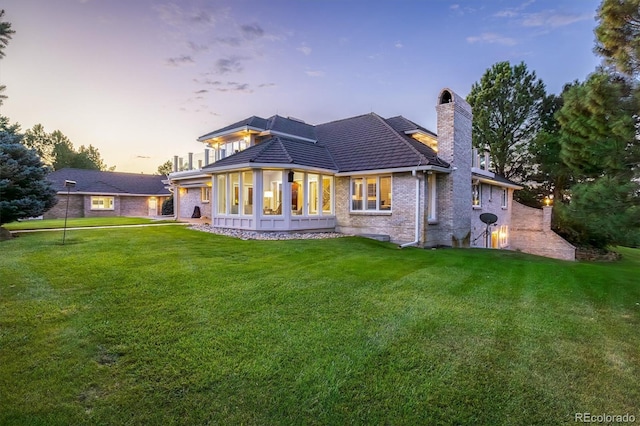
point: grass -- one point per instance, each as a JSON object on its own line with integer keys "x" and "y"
{"x": 81, "y": 222}
{"x": 172, "y": 326}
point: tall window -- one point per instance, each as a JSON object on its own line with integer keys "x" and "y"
{"x": 313, "y": 193}
{"x": 476, "y": 194}
{"x": 101, "y": 203}
{"x": 327, "y": 191}
{"x": 222, "y": 193}
{"x": 505, "y": 197}
{"x": 297, "y": 194}
{"x": 432, "y": 211}
{"x": 247, "y": 192}
{"x": 272, "y": 192}
{"x": 205, "y": 194}
{"x": 385, "y": 193}
{"x": 234, "y": 178}
{"x": 372, "y": 193}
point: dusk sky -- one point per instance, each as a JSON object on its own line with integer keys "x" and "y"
{"x": 142, "y": 79}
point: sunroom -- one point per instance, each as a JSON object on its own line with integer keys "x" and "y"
{"x": 278, "y": 185}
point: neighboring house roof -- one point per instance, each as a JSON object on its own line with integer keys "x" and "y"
{"x": 99, "y": 182}
{"x": 277, "y": 150}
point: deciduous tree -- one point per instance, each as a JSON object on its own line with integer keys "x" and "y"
{"x": 507, "y": 103}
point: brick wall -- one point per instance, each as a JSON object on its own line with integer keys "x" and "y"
{"x": 189, "y": 199}
{"x": 76, "y": 207}
{"x": 491, "y": 203}
{"x": 531, "y": 233}
{"x": 399, "y": 224}
{"x": 454, "y": 146}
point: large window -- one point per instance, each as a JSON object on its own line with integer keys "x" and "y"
{"x": 222, "y": 193}
{"x": 297, "y": 194}
{"x": 372, "y": 193}
{"x": 313, "y": 184}
{"x": 327, "y": 191}
{"x": 101, "y": 203}
{"x": 272, "y": 192}
{"x": 247, "y": 192}
{"x": 234, "y": 178}
{"x": 505, "y": 198}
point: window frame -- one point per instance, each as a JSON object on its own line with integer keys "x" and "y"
{"x": 103, "y": 198}
{"x": 477, "y": 185}
{"x": 364, "y": 194}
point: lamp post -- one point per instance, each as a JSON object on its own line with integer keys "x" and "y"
{"x": 67, "y": 184}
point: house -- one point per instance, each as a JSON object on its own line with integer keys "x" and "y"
{"x": 97, "y": 193}
{"x": 360, "y": 175}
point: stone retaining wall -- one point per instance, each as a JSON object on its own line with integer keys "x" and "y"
{"x": 531, "y": 232}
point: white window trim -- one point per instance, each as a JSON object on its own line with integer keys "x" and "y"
{"x": 205, "y": 194}
{"x": 505, "y": 199}
{"x": 113, "y": 203}
{"x": 479, "y": 205}
{"x": 432, "y": 206}
{"x": 377, "y": 210}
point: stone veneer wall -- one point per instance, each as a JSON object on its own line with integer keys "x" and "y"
{"x": 531, "y": 232}
{"x": 399, "y": 224}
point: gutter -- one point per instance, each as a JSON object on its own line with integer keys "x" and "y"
{"x": 414, "y": 173}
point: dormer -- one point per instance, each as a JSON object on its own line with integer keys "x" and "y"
{"x": 424, "y": 137}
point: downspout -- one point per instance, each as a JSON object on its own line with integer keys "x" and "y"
{"x": 414, "y": 173}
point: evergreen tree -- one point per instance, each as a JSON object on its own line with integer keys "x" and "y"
{"x": 598, "y": 139}
{"x": 618, "y": 34}
{"x": 507, "y": 104}
{"x": 24, "y": 190}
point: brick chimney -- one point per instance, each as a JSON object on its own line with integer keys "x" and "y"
{"x": 454, "y": 146}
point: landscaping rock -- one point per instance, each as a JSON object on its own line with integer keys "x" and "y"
{"x": 254, "y": 235}
{"x": 5, "y": 234}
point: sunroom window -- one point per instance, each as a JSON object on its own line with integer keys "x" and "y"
{"x": 272, "y": 192}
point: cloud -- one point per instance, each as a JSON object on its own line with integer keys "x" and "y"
{"x": 232, "y": 86}
{"x": 492, "y": 38}
{"x": 251, "y": 31}
{"x": 175, "y": 16}
{"x": 304, "y": 49}
{"x": 142, "y": 157}
{"x": 315, "y": 73}
{"x": 180, "y": 60}
{"x": 197, "y": 48}
{"x": 398, "y": 45}
{"x": 202, "y": 91}
{"x": 552, "y": 19}
{"x": 263, "y": 85}
{"x": 228, "y": 65}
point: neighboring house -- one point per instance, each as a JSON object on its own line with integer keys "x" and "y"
{"x": 359, "y": 175}
{"x": 98, "y": 193}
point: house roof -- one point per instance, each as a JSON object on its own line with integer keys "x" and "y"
{"x": 496, "y": 179}
{"x": 356, "y": 144}
{"x": 369, "y": 142}
{"x": 99, "y": 182}
{"x": 278, "y": 150}
{"x": 274, "y": 124}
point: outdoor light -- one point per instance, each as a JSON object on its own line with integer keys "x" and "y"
{"x": 547, "y": 201}
{"x": 67, "y": 184}
{"x": 291, "y": 174}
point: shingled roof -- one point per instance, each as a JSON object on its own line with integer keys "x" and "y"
{"x": 365, "y": 142}
{"x": 99, "y": 182}
{"x": 277, "y": 150}
{"x": 369, "y": 142}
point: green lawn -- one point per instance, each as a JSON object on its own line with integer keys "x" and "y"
{"x": 167, "y": 325}
{"x": 80, "y": 222}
